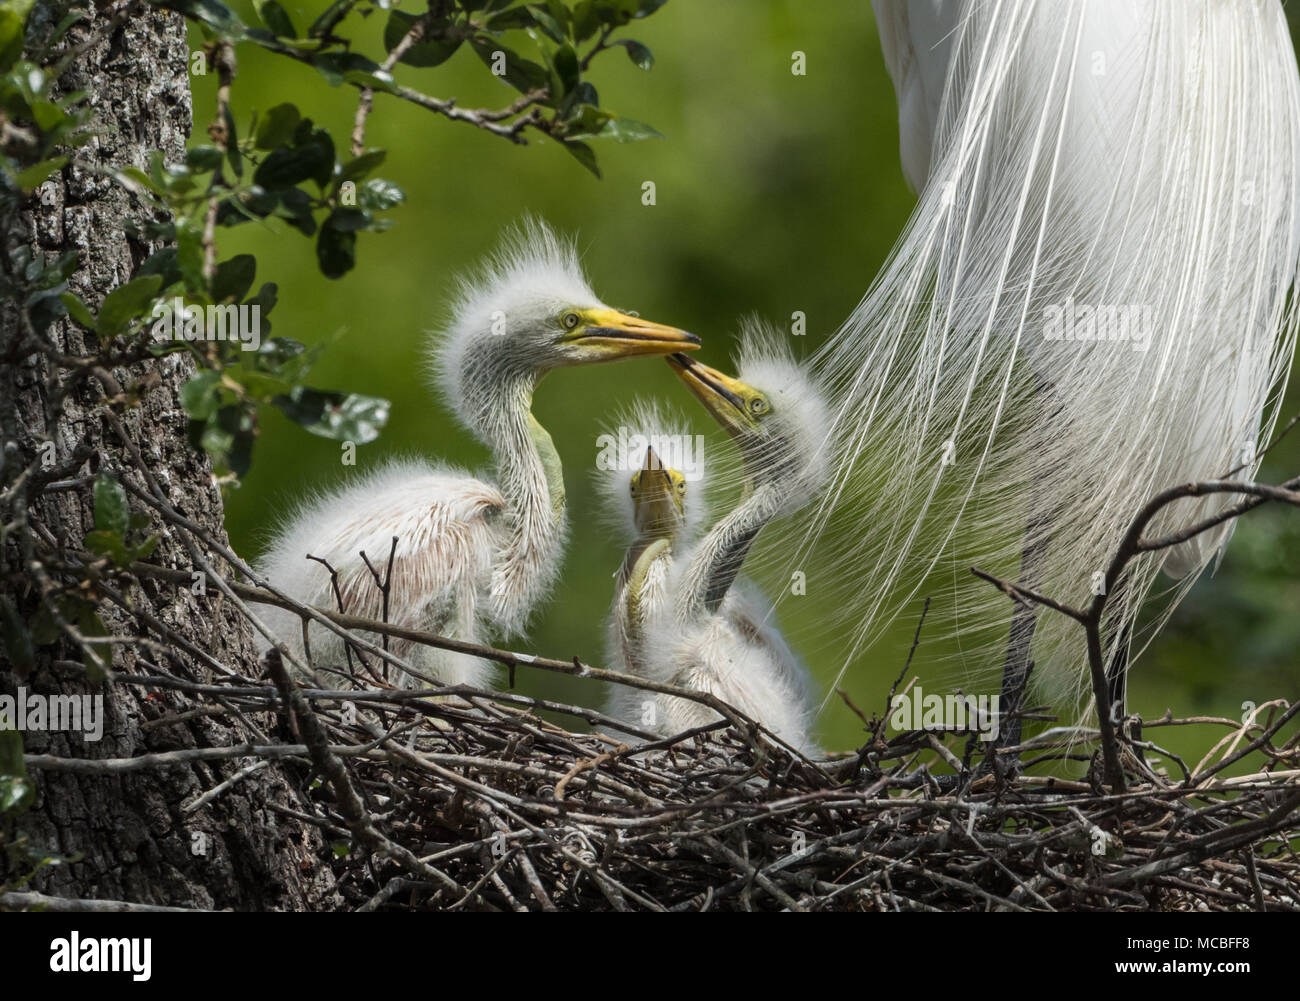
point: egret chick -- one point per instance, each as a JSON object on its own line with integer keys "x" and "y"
{"x": 472, "y": 557}
{"x": 655, "y": 520}
{"x": 715, "y": 635}
{"x": 658, "y": 495}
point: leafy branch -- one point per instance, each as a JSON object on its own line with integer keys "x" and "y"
{"x": 555, "y": 101}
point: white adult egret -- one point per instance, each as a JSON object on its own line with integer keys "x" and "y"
{"x": 1090, "y": 303}
{"x": 713, "y": 633}
{"x": 472, "y": 557}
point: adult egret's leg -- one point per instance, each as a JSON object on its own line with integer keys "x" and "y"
{"x": 1117, "y": 669}
{"x": 1033, "y": 559}
{"x": 1015, "y": 669}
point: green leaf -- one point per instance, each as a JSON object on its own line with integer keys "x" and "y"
{"x": 266, "y": 299}
{"x": 261, "y": 386}
{"x": 236, "y": 430}
{"x": 584, "y": 93}
{"x": 234, "y": 278}
{"x": 112, "y": 512}
{"x": 377, "y": 195}
{"x": 110, "y": 545}
{"x": 586, "y": 121}
{"x": 211, "y": 12}
{"x": 90, "y": 624}
{"x": 16, "y": 639}
{"x": 125, "y": 303}
{"x": 288, "y": 359}
{"x": 362, "y": 165}
{"x": 296, "y": 207}
{"x": 160, "y": 348}
{"x": 618, "y": 12}
{"x": 338, "y": 416}
{"x": 515, "y": 17}
{"x": 233, "y": 156}
{"x": 66, "y": 266}
{"x": 145, "y": 549}
{"x": 44, "y": 306}
{"x": 135, "y": 180}
{"x": 162, "y": 263}
{"x": 276, "y": 18}
{"x": 627, "y": 130}
{"x": 13, "y": 27}
{"x": 203, "y": 158}
{"x": 311, "y": 158}
{"x": 583, "y": 153}
{"x": 336, "y": 247}
{"x": 337, "y": 67}
{"x": 638, "y": 53}
{"x": 34, "y": 176}
{"x": 614, "y": 13}
{"x": 348, "y": 219}
{"x": 547, "y": 22}
{"x": 189, "y": 253}
{"x": 78, "y": 310}
{"x": 48, "y": 115}
{"x": 277, "y": 126}
{"x": 17, "y": 793}
{"x": 198, "y": 395}
{"x": 565, "y": 61}
{"x": 585, "y": 21}
{"x": 426, "y": 52}
{"x": 522, "y": 74}
{"x": 334, "y": 13}
{"x": 61, "y": 29}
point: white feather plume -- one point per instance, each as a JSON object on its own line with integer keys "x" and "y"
{"x": 1127, "y": 167}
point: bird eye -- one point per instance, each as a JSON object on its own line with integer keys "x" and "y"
{"x": 758, "y": 406}
{"x": 571, "y": 320}
{"x": 681, "y": 487}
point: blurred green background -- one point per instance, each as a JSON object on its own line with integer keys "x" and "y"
{"x": 775, "y": 193}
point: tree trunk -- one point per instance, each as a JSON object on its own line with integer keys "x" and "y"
{"x": 129, "y": 836}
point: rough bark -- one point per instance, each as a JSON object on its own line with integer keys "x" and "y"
{"x": 131, "y": 839}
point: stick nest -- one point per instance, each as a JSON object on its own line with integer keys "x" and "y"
{"x": 474, "y": 803}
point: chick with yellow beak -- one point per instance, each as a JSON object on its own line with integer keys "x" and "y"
{"x": 472, "y": 557}
{"x": 714, "y": 633}
{"x": 657, "y": 522}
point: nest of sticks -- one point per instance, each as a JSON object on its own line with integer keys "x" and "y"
{"x": 475, "y": 801}
{"x": 464, "y": 799}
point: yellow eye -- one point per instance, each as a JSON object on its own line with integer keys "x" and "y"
{"x": 571, "y": 320}
{"x": 758, "y": 406}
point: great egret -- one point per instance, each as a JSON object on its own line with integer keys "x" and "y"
{"x": 472, "y": 557}
{"x": 713, "y": 633}
{"x": 1090, "y": 303}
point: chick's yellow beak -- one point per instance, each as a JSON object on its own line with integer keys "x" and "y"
{"x": 656, "y": 500}
{"x": 724, "y": 397}
{"x": 607, "y": 335}
{"x": 656, "y": 481}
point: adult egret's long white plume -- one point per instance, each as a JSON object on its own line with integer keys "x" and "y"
{"x": 1090, "y": 303}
